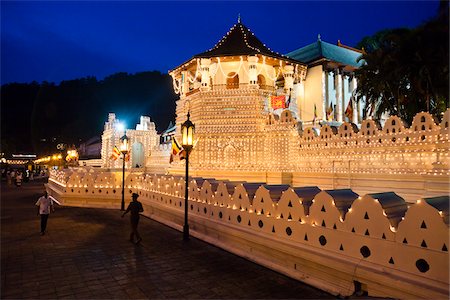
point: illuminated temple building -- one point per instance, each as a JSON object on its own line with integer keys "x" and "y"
{"x": 281, "y": 119}
{"x": 282, "y": 174}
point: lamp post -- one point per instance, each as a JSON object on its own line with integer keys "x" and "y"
{"x": 124, "y": 150}
{"x": 187, "y": 132}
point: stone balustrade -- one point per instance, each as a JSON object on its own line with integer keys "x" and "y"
{"x": 332, "y": 239}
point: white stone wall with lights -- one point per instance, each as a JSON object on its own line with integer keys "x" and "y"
{"x": 327, "y": 238}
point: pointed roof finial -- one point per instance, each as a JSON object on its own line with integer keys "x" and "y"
{"x": 318, "y": 37}
{"x": 239, "y": 18}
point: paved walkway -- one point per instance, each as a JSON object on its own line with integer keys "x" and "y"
{"x": 86, "y": 255}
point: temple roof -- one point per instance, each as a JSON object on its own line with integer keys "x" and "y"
{"x": 321, "y": 49}
{"x": 239, "y": 40}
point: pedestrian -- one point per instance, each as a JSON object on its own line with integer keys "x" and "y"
{"x": 44, "y": 207}
{"x": 19, "y": 179}
{"x": 135, "y": 207}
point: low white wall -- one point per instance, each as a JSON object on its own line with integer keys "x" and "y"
{"x": 329, "y": 240}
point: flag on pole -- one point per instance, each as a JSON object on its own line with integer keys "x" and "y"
{"x": 127, "y": 156}
{"x": 176, "y": 149}
{"x": 115, "y": 154}
{"x": 330, "y": 112}
{"x": 278, "y": 101}
{"x": 349, "y": 109}
{"x": 183, "y": 154}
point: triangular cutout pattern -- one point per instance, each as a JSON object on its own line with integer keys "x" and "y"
{"x": 273, "y": 229}
{"x": 424, "y": 226}
{"x": 366, "y": 216}
{"x": 289, "y": 217}
{"x": 424, "y": 244}
{"x": 383, "y": 237}
{"x": 334, "y": 226}
{"x": 281, "y": 216}
{"x": 262, "y": 211}
{"x": 249, "y": 224}
{"x": 323, "y": 209}
{"x": 323, "y": 223}
{"x": 290, "y": 204}
{"x": 306, "y": 237}
{"x": 444, "y": 248}
{"x": 405, "y": 241}
{"x": 341, "y": 248}
{"x": 229, "y": 218}
{"x": 367, "y": 232}
{"x": 353, "y": 229}
{"x": 391, "y": 261}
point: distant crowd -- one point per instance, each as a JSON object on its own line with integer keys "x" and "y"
{"x": 18, "y": 176}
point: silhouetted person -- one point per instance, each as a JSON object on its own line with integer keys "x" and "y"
{"x": 44, "y": 206}
{"x": 135, "y": 207}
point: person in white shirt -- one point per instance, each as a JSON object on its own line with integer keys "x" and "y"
{"x": 44, "y": 207}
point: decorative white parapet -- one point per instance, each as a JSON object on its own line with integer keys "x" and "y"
{"x": 335, "y": 240}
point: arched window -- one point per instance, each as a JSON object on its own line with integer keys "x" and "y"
{"x": 233, "y": 81}
{"x": 280, "y": 81}
{"x": 261, "y": 81}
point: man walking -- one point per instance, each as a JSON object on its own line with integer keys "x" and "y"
{"x": 44, "y": 206}
{"x": 135, "y": 207}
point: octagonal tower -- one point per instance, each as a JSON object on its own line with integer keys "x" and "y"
{"x": 232, "y": 92}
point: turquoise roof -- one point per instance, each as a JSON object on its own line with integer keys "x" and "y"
{"x": 321, "y": 49}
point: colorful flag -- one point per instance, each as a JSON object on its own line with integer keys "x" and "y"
{"x": 127, "y": 156}
{"x": 278, "y": 101}
{"x": 115, "y": 153}
{"x": 176, "y": 148}
{"x": 183, "y": 154}
{"x": 349, "y": 109}
{"x": 330, "y": 112}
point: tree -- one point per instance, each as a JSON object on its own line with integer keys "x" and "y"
{"x": 406, "y": 71}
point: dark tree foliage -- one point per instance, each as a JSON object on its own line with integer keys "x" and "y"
{"x": 37, "y": 116}
{"x": 406, "y": 70}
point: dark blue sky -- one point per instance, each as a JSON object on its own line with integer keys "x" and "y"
{"x": 61, "y": 40}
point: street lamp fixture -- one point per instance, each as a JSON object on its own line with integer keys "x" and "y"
{"x": 124, "y": 150}
{"x": 187, "y": 133}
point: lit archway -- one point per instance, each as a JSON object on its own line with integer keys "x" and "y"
{"x": 232, "y": 81}
{"x": 137, "y": 155}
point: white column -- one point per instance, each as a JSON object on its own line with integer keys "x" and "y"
{"x": 204, "y": 70}
{"x": 354, "y": 105}
{"x": 288, "y": 74}
{"x": 339, "y": 95}
{"x": 300, "y": 97}
{"x": 252, "y": 71}
{"x": 184, "y": 83}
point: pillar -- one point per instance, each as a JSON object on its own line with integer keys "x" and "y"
{"x": 354, "y": 85}
{"x": 339, "y": 95}
{"x": 252, "y": 71}
{"x": 204, "y": 71}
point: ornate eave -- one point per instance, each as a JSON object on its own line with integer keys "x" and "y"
{"x": 239, "y": 41}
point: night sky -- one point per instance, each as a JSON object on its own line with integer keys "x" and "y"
{"x": 60, "y": 40}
